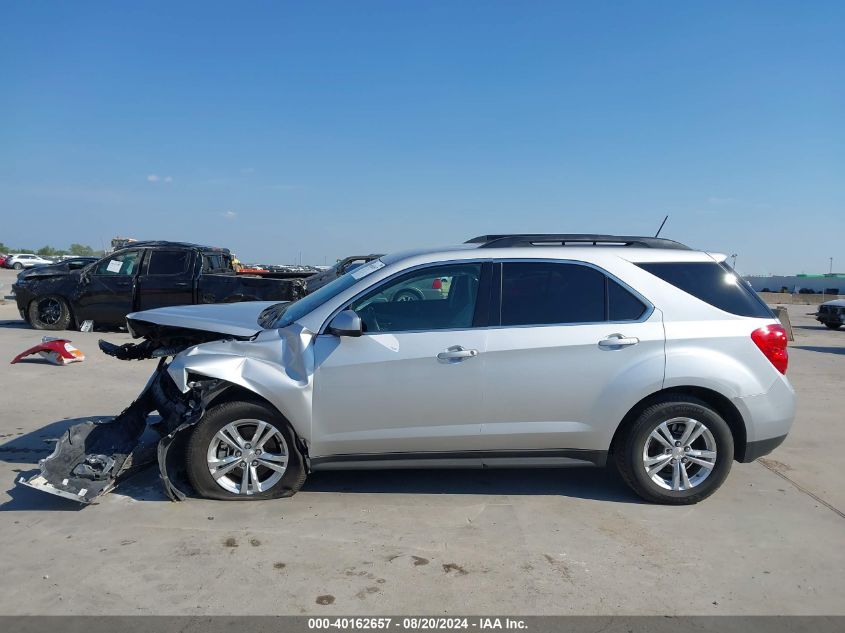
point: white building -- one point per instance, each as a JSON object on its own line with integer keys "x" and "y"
{"x": 828, "y": 284}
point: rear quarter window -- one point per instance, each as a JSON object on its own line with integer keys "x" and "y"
{"x": 713, "y": 283}
{"x": 622, "y": 305}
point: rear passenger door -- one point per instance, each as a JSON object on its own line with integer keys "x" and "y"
{"x": 166, "y": 279}
{"x": 573, "y": 346}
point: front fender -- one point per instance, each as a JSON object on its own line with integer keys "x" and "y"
{"x": 277, "y": 366}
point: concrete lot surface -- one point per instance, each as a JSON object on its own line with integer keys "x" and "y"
{"x": 771, "y": 541}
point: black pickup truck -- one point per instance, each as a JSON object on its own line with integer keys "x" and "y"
{"x": 142, "y": 276}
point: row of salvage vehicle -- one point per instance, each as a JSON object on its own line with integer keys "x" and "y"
{"x": 149, "y": 275}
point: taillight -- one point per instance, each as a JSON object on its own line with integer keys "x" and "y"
{"x": 771, "y": 340}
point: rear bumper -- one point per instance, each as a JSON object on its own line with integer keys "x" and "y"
{"x": 768, "y": 418}
{"x": 753, "y": 450}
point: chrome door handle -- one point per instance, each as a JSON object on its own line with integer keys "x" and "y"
{"x": 457, "y": 353}
{"x": 617, "y": 340}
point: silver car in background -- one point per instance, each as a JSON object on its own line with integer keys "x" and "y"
{"x": 25, "y": 260}
{"x": 544, "y": 350}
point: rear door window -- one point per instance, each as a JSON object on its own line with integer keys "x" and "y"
{"x": 713, "y": 283}
{"x": 168, "y": 262}
{"x": 546, "y": 293}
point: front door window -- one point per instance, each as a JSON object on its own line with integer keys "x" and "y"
{"x": 121, "y": 264}
{"x": 433, "y": 298}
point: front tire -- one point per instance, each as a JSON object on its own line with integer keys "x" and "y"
{"x": 49, "y": 313}
{"x": 18, "y": 266}
{"x": 244, "y": 451}
{"x": 408, "y": 294}
{"x": 676, "y": 452}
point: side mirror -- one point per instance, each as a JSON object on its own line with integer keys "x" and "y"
{"x": 346, "y": 323}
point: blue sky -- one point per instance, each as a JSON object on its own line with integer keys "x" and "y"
{"x": 332, "y": 128}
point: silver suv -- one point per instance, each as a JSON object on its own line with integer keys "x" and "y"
{"x": 543, "y": 350}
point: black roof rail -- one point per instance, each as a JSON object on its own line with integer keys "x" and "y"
{"x": 573, "y": 239}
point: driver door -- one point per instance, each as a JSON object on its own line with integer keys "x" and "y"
{"x": 410, "y": 387}
{"x": 108, "y": 290}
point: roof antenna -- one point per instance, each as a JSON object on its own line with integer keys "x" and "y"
{"x": 661, "y": 226}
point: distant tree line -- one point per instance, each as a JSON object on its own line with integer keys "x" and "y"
{"x": 77, "y": 250}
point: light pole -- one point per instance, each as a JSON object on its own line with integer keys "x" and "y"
{"x": 831, "y": 266}
{"x": 733, "y": 256}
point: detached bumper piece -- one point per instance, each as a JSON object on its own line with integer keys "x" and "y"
{"x": 91, "y": 458}
{"x": 57, "y": 351}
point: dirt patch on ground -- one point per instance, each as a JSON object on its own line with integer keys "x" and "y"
{"x": 448, "y": 568}
{"x": 774, "y": 464}
{"x": 559, "y": 566}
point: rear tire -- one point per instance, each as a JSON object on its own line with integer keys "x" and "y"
{"x": 49, "y": 313}
{"x": 684, "y": 470}
{"x": 245, "y": 443}
{"x": 18, "y": 266}
{"x": 833, "y": 326}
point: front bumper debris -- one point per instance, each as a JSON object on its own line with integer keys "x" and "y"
{"x": 91, "y": 458}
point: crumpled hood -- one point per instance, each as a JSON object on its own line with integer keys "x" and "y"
{"x": 235, "y": 319}
{"x": 52, "y": 270}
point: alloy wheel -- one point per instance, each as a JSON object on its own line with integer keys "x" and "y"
{"x": 679, "y": 454}
{"x": 246, "y": 457}
{"x": 49, "y": 311}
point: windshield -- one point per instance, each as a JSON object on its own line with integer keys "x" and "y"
{"x": 283, "y": 314}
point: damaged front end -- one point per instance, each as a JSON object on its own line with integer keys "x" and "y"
{"x": 203, "y": 351}
{"x": 91, "y": 458}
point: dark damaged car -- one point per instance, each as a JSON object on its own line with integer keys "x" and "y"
{"x": 142, "y": 276}
{"x": 345, "y": 265}
{"x": 831, "y": 314}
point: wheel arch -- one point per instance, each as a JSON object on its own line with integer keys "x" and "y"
{"x": 721, "y": 404}
{"x": 233, "y": 392}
